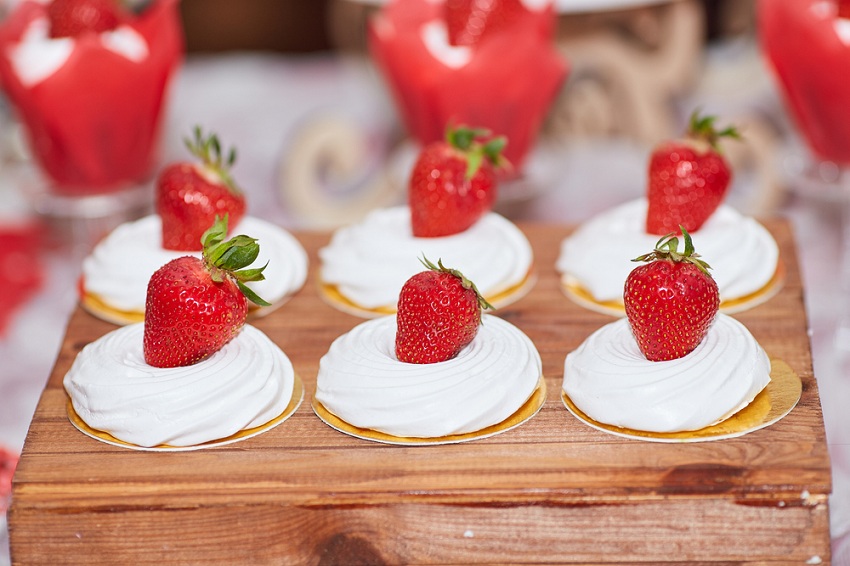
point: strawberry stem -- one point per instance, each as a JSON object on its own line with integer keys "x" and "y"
{"x": 667, "y": 248}
{"x": 463, "y": 137}
{"x": 469, "y": 142}
{"x": 208, "y": 150}
{"x": 228, "y": 258}
{"x": 702, "y": 128}
{"x": 466, "y": 283}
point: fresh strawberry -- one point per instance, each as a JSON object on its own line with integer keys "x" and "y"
{"x": 196, "y": 306}
{"x": 470, "y": 20}
{"x": 439, "y": 311}
{"x": 688, "y": 178}
{"x": 190, "y": 195}
{"x": 71, "y": 18}
{"x": 671, "y": 301}
{"x": 453, "y": 182}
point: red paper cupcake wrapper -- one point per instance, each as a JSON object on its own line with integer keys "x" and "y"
{"x": 812, "y": 65}
{"x": 508, "y": 84}
{"x": 93, "y": 125}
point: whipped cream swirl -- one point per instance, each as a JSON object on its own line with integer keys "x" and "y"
{"x": 369, "y": 262}
{"x": 362, "y": 382}
{"x": 120, "y": 266}
{"x": 611, "y": 381}
{"x": 245, "y": 384}
{"x": 742, "y": 253}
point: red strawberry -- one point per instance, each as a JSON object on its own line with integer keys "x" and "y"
{"x": 688, "y": 178}
{"x": 196, "y": 306}
{"x": 470, "y": 20}
{"x": 439, "y": 311}
{"x": 453, "y": 182}
{"x": 670, "y": 302}
{"x": 71, "y": 18}
{"x": 190, "y": 195}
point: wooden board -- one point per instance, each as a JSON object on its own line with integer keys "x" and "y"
{"x": 552, "y": 490}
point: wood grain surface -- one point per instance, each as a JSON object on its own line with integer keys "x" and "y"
{"x": 552, "y": 490}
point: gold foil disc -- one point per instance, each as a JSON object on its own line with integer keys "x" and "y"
{"x": 524, "y": 413}
{"x": 93, "y": 304}
{"x": 774, "y": 402}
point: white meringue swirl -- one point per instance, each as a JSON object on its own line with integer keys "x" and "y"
{"x": 362, "y": 382}
{"x": 742, "y": 253}
{"x": 120, "y": 266}
{"x": 611, "y": 381}
{"x": 369, "y": 262}
{"x": 245, "y": 384}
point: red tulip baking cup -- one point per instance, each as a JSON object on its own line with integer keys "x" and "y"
{"x": 93, "y": 124}
{"x": 8, "y": 463}
{"x": 808, "y": 47}
{"x": 506, "y": 82}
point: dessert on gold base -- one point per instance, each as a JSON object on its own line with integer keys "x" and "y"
{"x": 772, "y": 404}
{"x": 242, "y": 390}
{"x": 494, "y": 384}
{"x": 115, "y": 275}
{"x": 595, "y": 260}
{"x": 727, "y": 386}
{"x": 524, "y": 413}
{"x": 294, "y": 403}
{"x": 365, "y": 264}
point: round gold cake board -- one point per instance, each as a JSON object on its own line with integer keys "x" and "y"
{"x": 332, "y": 296}
{"x": 582, "y": 297}
{"x": 294, "y": 403}
{"x": 769, "y": 406}
{"x": 97, "y": 308}
{"x": 523, "y": 414}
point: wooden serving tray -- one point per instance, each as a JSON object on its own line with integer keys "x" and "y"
{"x": 552, "y": 490}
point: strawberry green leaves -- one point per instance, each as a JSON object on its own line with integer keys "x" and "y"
{"x": 469, "y": 141}
{"x": 208, "y": 150}
{"x": 667, "y": 248}
{"x": 229, "y": 258}
{"x": 702, "y": 127}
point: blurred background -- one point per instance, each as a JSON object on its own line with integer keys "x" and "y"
{"x": 291, "y": 83}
